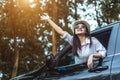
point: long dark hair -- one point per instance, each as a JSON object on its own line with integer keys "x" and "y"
{"x": 77, "y": 42}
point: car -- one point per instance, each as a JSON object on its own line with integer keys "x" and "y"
{"x": 62, "y": 67}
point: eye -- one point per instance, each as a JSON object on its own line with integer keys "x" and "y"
{"x": 83, "y": 26}
{"x": 76, "y": 27}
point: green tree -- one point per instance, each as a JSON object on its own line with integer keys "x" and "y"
{"x": 20, "y": 26}
{"x": 110, "y": 11}
{"x": 107, "y": 11}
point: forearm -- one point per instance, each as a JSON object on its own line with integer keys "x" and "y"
{"x": 90, "y": 59}
{"x": 56, "y": 27}
{"x": 97, "y": 55}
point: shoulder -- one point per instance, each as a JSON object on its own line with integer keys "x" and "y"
{"x": 94, "y": 40}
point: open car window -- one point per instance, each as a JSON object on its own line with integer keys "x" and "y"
{"x": 103, "y": 36}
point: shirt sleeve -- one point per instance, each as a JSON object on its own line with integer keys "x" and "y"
{"x": 100, "y": 48}
{"x": 67, "y": 37}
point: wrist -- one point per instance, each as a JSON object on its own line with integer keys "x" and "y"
{"x": 48, "y": 19}
{"x": 92, "y": 55}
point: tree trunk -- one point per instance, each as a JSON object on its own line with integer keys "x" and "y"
{"x": 15, "y": 67}
{"x": 16, "y": 49}
{"x": 75, "y": 7}
{"x": 54, "y": 48}
{"x": 16, "y": 52}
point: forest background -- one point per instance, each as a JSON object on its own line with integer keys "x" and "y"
{"x": 25, "y": 40}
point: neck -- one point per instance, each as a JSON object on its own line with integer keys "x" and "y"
{"x": 82, "y": 38}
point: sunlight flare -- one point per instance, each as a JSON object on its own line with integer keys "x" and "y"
{"x": 31, "y": 1}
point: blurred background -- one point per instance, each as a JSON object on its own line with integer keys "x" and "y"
{"x": 25, "y": 40}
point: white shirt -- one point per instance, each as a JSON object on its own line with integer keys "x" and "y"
{"x": 86, "y": 50}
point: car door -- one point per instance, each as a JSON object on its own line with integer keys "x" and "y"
{"x": 115, "y": 71}
{"x": 109, "y": 42}
{"x": 110, "y": 46}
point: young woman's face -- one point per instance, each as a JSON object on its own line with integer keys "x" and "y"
{"x": 80, "y": 29}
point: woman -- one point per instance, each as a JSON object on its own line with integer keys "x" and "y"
{"x": 85, "y": 47}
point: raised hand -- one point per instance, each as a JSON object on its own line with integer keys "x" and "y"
{"x": 53, "y": 24}
{"x": 44, "y": 17}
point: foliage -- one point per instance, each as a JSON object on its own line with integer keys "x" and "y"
{"x": 110, "y": 10}
{"x": 21, "y": 21}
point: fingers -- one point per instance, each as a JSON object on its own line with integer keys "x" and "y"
{"x": 45, "y": 14}
{"x": 44, "y": 17}
{"x": 90, "y": 65}
{"x": 90, "y": 62}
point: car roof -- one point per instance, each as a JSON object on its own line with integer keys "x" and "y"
{"x": 104, "y": 28}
